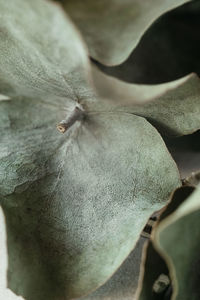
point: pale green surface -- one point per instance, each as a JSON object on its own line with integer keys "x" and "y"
{"x": 176, "y": 112}
{"x": 79, "y": 200}
{"x": 126, "y": 94}
{"x": 168, "y": 50}
{"x": 75, "y": 204}
{"x": 40, "y": 50}
{"x": 181, "y": 229}
{"x": 112, "y": 29}
{"x": 173, "y": 107}
{"x": 123, "y": 284}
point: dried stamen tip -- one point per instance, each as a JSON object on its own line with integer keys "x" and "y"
{"x": 76, "y": 115}
{"x": 62, "y": 127}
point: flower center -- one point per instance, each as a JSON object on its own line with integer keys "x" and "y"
{"x": 76, "y": 115}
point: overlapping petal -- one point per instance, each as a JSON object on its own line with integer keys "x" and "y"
{"x": 75, "y": 204}
{"x": 112, "y": 29}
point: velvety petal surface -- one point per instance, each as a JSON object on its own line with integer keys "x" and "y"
{"x": 112, "y": 29}
{"x": 127, "y": 94}
{"x": 176, "y": 112}
{"x": 173, "y": 107}
{"x": 168, "y": 50}
{"x": 75, "y": 204}
{"x": 40, "y": 50}
{"x": 183, "y": 257}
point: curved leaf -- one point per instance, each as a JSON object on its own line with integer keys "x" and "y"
{"x": 183, "y": 257}
{"x": 174, "y": 107}
{"x": 112, "y": 29}
{"x": 75, "y": 204}
{"x": 168, "y": 50}
{"x": 127, "y": 94}
{"x": 177, "y": 112}
{"x": 38, "y": 57}
{"x": 154, "y": 266}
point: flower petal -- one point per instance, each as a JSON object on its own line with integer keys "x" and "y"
{"x": 40, "y": 50}
{"x": 76, "y": 203}
{"x": 112, "y": 29}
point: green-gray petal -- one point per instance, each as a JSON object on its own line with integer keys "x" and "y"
{"x": 168, "y": 50}
{"x": 75, "y": 204}
{"x": 172, "y": 107}
{"x": 128, "y": 95}
{"x": 40, "y": 50}
{"x": 177, "y": 238}
{"x": 112, "y": 29}
{"x": 176, "y": 112}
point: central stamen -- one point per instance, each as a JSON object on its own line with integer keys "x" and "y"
{"x": 76, "y": 115}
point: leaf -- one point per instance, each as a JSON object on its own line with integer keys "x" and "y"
{"x": 154, "y": 266}
{"x": 123, "y": 284}
{"x": 177, "y": 112}
{"x": 174, "y": 107}
{"x": 75, "y": 199}
{"x": 34, "y": 60}
{"x": 126, "y": 94}
{"x": 112, "y": 29}
{"x": 74, "y": 203}
{"x": 166, "y": 50}
{"x": 183, "y": 257}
